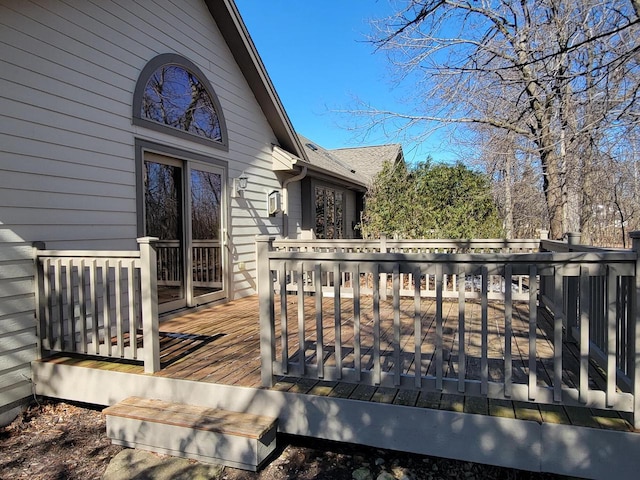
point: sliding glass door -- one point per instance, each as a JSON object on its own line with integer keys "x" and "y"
{"x": 206, "y": 235}
{"x": 184, "y": 208}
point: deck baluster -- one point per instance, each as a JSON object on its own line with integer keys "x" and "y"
{"x": 132, "y": 304}
{"x": 284, "y": 322}
{"x": 319, "y": 319}
{"x": 82, "y": 303}
{"x": 302, "y": 356}
{"x": 611, "y": 336}
{"x": 462, "y": 367}
{"x": 508, "y": 331}
{"x": 357, "y": 352}
{"x": 59, "y": 285}
{"x": 106, "y": 306}
{"x": 376, "y": 324}
{"x": 48, "y": 306}
{"x": 557, "y": 334}
{"x": 584, "y": 334}
{"x": 417, "y": 327}
{"x": 70, "y": 298}
{"x": 93, "y": 282}
{"x": 484, "y": 306}
{"x": 533, "y": 327}
{"x": 439, "y": 339}
{"x": 397, "y": 368}
{"x": 337, "y": 277}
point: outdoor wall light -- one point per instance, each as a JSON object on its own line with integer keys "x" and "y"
{"x": 241, "y": 183}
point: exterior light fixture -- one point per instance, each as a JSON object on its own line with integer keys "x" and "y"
{"x": 241, "y": 183}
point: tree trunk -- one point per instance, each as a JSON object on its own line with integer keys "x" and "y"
{"x": 552, "y": 193}
{"x": 508, "y": 197}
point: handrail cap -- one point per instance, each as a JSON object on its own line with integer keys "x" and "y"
{"x": 147, "y": 240}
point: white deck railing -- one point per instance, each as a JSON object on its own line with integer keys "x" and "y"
{"x": 589, "y": 293}
{"x": 100, "y": 303}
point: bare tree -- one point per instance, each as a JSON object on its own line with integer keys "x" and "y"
{"x": 560, "y": 75}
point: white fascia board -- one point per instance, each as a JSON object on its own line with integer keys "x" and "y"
{"x": 283, "y": 161}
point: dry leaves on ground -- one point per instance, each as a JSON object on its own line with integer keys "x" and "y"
{"x": 62, "y": 441}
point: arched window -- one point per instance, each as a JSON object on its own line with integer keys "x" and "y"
{"x": 172, "y": 95}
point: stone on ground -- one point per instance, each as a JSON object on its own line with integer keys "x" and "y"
{"x": 131, "y": 464}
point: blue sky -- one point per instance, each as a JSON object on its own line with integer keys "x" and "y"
{"x": 318, "y": 58}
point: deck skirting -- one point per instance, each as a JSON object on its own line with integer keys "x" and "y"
{"x": 522, "y": 444}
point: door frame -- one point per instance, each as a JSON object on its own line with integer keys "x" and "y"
{"x": 188, "y": 160}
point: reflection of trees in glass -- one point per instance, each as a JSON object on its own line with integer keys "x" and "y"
{"x": 329, "y": 213}
{"x": 206, "y": 189}
{"x": 320, "y": 212}
{"x": 175, "y": 97}
{"x": 339, "y": 218}
{"x": 162, "y": 201}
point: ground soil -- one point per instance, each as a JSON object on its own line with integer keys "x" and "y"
{"x": 57, "y": 440}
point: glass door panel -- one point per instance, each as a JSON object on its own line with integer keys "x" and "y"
{"x": 164, "y": 219}
{"x": 206, "y": 235}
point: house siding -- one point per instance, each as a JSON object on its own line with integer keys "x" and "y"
{"x": 67, "y": 144}
{"x": 294, "y": 209}
{"x": 17, "y": 320}
{"x": 350, "y": 213}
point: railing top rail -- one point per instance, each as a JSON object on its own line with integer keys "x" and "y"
{"x": 465, "y": 241}
{"x": 480, "y": 258}
{"x": 560, "y": 246}
{"x": 87, "y": 254}
{"x": 194, "y": 243}
{"x": 428, "y": 243}
{"x": 316, "y": 242}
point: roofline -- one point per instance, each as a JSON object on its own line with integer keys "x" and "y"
{"x": 382, "y": 145}
{"x": 332, "y": 174}
{"x": 235, "y": 33}
{"x": 399, "y": 150}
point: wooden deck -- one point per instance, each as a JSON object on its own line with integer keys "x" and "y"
{"x": 221, "y": 345}
{"x": 440, "y": 366}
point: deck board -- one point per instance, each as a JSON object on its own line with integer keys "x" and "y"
{"x": 221, "y": 344}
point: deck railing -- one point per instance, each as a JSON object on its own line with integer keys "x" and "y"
{"x": 100, "y": 303}
{"x": 495, "y": 288}
{"x": 588, "y": 295}
{"x": 207, "y": 263}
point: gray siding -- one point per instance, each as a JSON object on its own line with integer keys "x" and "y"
{"x": 350, "y": 213}
{"x": 67, "y": 77}
{"x": 295, "y": 210}
{"x": 17, "y": 321}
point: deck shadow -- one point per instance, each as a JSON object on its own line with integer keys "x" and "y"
{"x": 175, "y": 346}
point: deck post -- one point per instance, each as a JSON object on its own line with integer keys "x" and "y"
{"x": 149, "y": 299}
{"x": 634, "y": 332}
{"x": 39, "y": 298}
{"x": 264, "y": 244}
{"x": 543, "y": 287}
{"x": 383, "y": 276}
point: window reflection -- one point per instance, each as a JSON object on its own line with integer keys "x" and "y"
{"x": 175, "y": 97}
{"x": 329, "y": 213}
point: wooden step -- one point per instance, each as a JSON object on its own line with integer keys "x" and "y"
{"x": 234, "y": 439}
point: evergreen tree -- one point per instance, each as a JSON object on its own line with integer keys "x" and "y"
{"x": 430, "y": 201}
